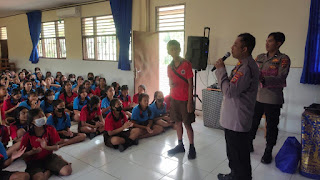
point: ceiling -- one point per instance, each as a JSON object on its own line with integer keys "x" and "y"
{"x": 14, "y": 7}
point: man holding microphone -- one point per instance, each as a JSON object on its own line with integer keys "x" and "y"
{"x": 239, "y": 97}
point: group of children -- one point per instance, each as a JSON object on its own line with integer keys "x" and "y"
{"x": 37, "y": 112}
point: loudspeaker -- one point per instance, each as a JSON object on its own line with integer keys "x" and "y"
{"x": 197, "y": 52}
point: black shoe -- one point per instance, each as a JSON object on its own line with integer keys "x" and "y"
{"x": 122, "y": 147}
{"x": 267, "y": 156}
{"x": 192, "y": 153}
{"x": 251, "y": 149}
{"x": 92, "y": 135}
{"x": 178, "y": 149}
{"x": 135, "y": 142}
{"x": 225, "y": 177}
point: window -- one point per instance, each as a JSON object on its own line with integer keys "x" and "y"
{"x": 3, "y": 33}
{"x": 170, "y": 24}
{"x": 99, "y": 38}
{"x": 52, "y": 43}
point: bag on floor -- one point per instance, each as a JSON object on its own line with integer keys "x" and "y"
{"x": 288, "y": 157}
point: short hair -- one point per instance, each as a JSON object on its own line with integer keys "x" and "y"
{"x": 173, "y": 43}
{"x": 278, "y": 36}
{"x": 141, "y": 96}
{"x": 124, "y": 87}
{"x": 90, "y": 73}
{"x": 248, "y": 41}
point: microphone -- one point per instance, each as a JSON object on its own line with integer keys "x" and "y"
{"x": 223, "y": 59}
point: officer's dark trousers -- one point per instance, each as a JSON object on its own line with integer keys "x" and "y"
{"x": 238, "y": 154}
{"x": 272, "y": 112}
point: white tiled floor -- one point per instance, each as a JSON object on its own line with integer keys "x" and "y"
{"x": 149, "y": 160}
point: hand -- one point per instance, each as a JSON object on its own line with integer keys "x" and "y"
{"x": 70, "y": 133}
{"x": 43, "y": 143}
{"x": 18, "y": 104}
{"x": 149, "y": 130}
{"x": 190, "y": 107}
{"x": 36, "y": 150}
{"x": 127, "y": 125}
{"x": 43, "y": 83}
{"x": 17, "y": 154}
{"x": 219, "y": 64}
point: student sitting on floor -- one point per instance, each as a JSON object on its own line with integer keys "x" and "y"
{"x": 158, "y": 108}
{"x": 41, "y": 140}
{"x": 11, "y": 104}
{"x": 76, "y": 86}
{"x": 27, "y": 88}
{"x": 79, "y": 102}
{"x": 105, "y": 103}
{"x": 5, "y": 161}
{"x": 32, "y": 102}
{"x": 118, "y": 130}
{"x": 91, "y": 121}
{"x": 62, "y": 122}
{"x": 141, "y": 89}
{"x": 68, "y": 96}
{"x": 87, "y": 86}
{"x": 142, "y": 117}
{"x": 101, "y": 87}
{"x": 20, "y": 126}
{"x": 49, "y": 84}
{"x": 46, "y": 104}
{"x": 126, "y": 100}
{"x": 116, "y": 88}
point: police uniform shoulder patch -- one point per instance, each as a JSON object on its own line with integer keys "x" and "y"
{"x": 275, "y": 60}
{"x": 284, "y": 62}
{"x": 236, "y": 77}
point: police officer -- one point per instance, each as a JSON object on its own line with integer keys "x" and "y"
{"x": 239, "y": 97}
{"x": 274, "y": 68}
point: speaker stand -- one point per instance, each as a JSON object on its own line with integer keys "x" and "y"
{"x": 195, "y": 95}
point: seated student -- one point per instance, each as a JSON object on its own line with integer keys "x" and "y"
{"x": 11, "y": 103}
{"x": 72, "y": 78}
{"x": 106, "y": 99}
{"x": 101, "y": 87}
{"x": 39, "y": 76}
{"x": 5, "y": 161}
{"x": 118, "y": 130}
{"x": 3, "y": 94}
{"x": 126, "y": 100}
{"x": 87, "y": 86}
{"x": 63, "y": 79}
{"x": 22, "y": 76}
{"x": 57, "y": 80}
{"x": 48, "y": 74}
{"x": 90, "y": 75}
{"x": 48, "y": 84}
{"x": 27, "y": 88}
{"x": 79, "y": 82}
{"x": 158, "y": 107}
{"x": 20, "y": 126}
{"x": 79, "y": 102}
{"x": 40, "y": 93}
{"x": 68, "y": 96}
{"x": 4, "y": 135}
{"x": 142, "y": 117}
{"x": 32, "y": 102}
{"x": 96, "y": 83}
{"x": 141, "y": 89}
{"x": 62, "y": 122}
{"x": 35, "y": 83}
{"x": 46, "y": 104}
{"x": 91, "y": 121}
{"x": 116, "y": 88}
{"x": 41, "y": 140}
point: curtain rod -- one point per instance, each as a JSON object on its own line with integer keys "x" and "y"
{"x": 61, "y": 7}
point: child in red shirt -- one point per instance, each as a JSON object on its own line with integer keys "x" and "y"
{"x": 181, "y": 91}
{"x": 126, "y": 100}
{"x": 91, "y": 121}
{"x": 101, "y": 88}
{"x": 20, "y": 126}
{"x": 68, "y": 96}
{"x": 118, "y": 130}
{"x": 141, "y": 89}
{"x": 12, "y": 103}
{"x": 41, "y": 140}
{"x": 87, "y": 86}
